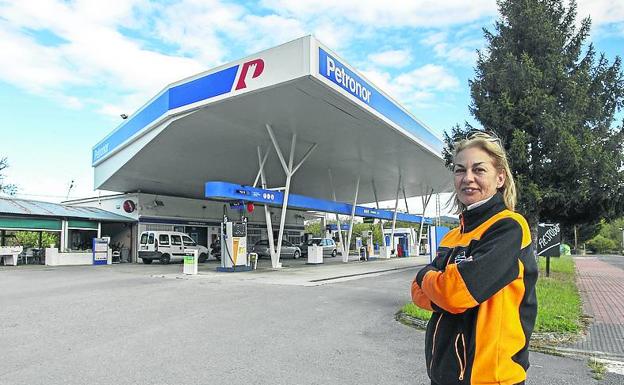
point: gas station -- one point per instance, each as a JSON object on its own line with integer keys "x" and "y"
{"x": 292, "y": 129}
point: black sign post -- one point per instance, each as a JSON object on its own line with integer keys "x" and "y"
{"x": 548, "y": 242}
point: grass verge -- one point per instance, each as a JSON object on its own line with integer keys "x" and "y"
{"x": 559, "y": 303}
{"x": 416, "y": 312}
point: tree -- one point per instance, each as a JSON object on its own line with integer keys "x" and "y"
{"x": 552, "y": 100}
{"x": 609, "y": 236}
{"x": 31, "y": 239}
{"x": 314, "y": 227}
{"x": 9, "y": 189}
{"x": 601, "y": 244}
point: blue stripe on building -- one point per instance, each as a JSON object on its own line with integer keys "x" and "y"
{"x": 236, "y": 192}
{"x": 376, "y": 99}
{"x": 203, "y": 88}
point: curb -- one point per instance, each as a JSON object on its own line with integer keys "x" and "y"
{"x": 540, "y": 342}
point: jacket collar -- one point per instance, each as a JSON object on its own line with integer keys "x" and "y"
{"x": 470, "y": 220}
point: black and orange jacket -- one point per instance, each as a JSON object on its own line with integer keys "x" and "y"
{"x": 481, "y": 289}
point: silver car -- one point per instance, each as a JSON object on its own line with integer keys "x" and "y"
{"x": 288, "y": 249}
{"x": 328, "y": 244}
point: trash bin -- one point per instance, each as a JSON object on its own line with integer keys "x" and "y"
{"x": 315, "y": 254}
{"x": 363, "y": 254}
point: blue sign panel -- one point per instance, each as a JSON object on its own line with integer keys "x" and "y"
{"x": 332, "y": 69}
{"x": 100, "y": 251}
{"x": 334, "y": 227}
{"x": 203, "y": 88}
{"x": 236, "y": 192}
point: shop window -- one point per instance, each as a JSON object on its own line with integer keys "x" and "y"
{"x": 81, "y": 240}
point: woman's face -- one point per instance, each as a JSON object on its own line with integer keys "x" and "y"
{"x": 476, "y": 177}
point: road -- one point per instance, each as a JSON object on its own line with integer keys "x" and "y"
{"x": 136, "y": 324}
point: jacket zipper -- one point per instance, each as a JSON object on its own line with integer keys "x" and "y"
{"x": 462, "y": 364}
{"x": 435, "y": 331}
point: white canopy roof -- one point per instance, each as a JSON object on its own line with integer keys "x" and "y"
{"x": 207, "y": 128}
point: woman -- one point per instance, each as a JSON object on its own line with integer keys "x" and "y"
{"x": 481, "y": 285}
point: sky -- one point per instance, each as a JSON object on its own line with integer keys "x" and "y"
{"x": 68, "y": 69}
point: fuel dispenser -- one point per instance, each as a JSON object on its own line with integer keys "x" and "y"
{"x": 368, "y": 241}
{"x": 234, "y": 245}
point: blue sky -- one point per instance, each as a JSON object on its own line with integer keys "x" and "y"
{"x": 70, "y": 68}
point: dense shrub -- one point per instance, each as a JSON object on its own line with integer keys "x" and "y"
{"x": 601, "y": 244}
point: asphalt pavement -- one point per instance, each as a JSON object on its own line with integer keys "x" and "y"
{"x": 139, "y": 324}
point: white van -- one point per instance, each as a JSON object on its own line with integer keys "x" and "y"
{"x": 167, "y": 246}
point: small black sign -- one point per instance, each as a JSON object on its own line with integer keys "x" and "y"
{"x": 239, "y": 230}
{"x": 548, "y": 239}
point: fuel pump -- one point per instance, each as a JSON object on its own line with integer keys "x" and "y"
{"x": 368, "y": 239}
{"x": 234, "y": 245}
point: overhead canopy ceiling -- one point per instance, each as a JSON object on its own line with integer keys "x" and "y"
{"x": 218, "y": 142}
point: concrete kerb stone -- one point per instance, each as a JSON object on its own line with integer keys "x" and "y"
{"x": 308, "y": 275}
{"x": 543, "y": 343}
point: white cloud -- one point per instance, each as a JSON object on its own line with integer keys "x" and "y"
{"x": 194, "y": 27}
{"x": 429, "y": 76}
{"x": 457, "y": 48}
{"x": 416, "y": 88}
{"x": 602, "y": 11}
{"x": 391, "y": 58}
{"x": 262, "y": 32}
{"x": 378, "y": 14}
{"x": 607, "y": 17}
{"x": 92, "y": 52}
{"x": 335, "y": 35}
{"x": 31, "y": 66}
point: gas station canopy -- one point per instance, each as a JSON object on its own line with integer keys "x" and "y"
{"x": 208, "y": 128}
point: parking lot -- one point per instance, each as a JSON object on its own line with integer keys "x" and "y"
{"x": 139, "y": 324}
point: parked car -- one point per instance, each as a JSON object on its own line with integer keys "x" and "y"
{"x": 167, "y": 246}
{"x": 288, "y": 249}
{"x": 328, "y": 244}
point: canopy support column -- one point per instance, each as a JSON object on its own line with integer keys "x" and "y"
{"x": 331, "y": 185}
{"x": 267, "y": 213}
{"x": 261, "y": 162}
{"x": 381, "y": 223}
{"x": 289, "y": 170}
{"x": 425, "y": 201}
{"x": 394, "y": 216}
{"x": 345, "y": 258}
{"x": 405, "y": 199}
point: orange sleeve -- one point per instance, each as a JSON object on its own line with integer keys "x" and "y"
{"x": 419, "y": 298}
{"x": 447, "y": 289}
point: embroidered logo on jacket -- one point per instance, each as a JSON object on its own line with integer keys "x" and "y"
{"x": 461, "y": 257}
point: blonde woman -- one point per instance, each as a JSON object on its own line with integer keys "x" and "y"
{"x": 481, "y": 285}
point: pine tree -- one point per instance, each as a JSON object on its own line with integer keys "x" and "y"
{"x": 553, "y": 101}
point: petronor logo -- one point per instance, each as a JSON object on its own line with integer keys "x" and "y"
{"x": 251, "y": 70}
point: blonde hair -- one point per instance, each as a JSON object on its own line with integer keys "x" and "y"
{"x": 493, "y": 147}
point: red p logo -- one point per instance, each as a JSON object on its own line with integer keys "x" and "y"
{"x": 256, "y": 67}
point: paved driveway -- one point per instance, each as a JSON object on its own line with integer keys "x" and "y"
{"x": 136, "y": 324}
